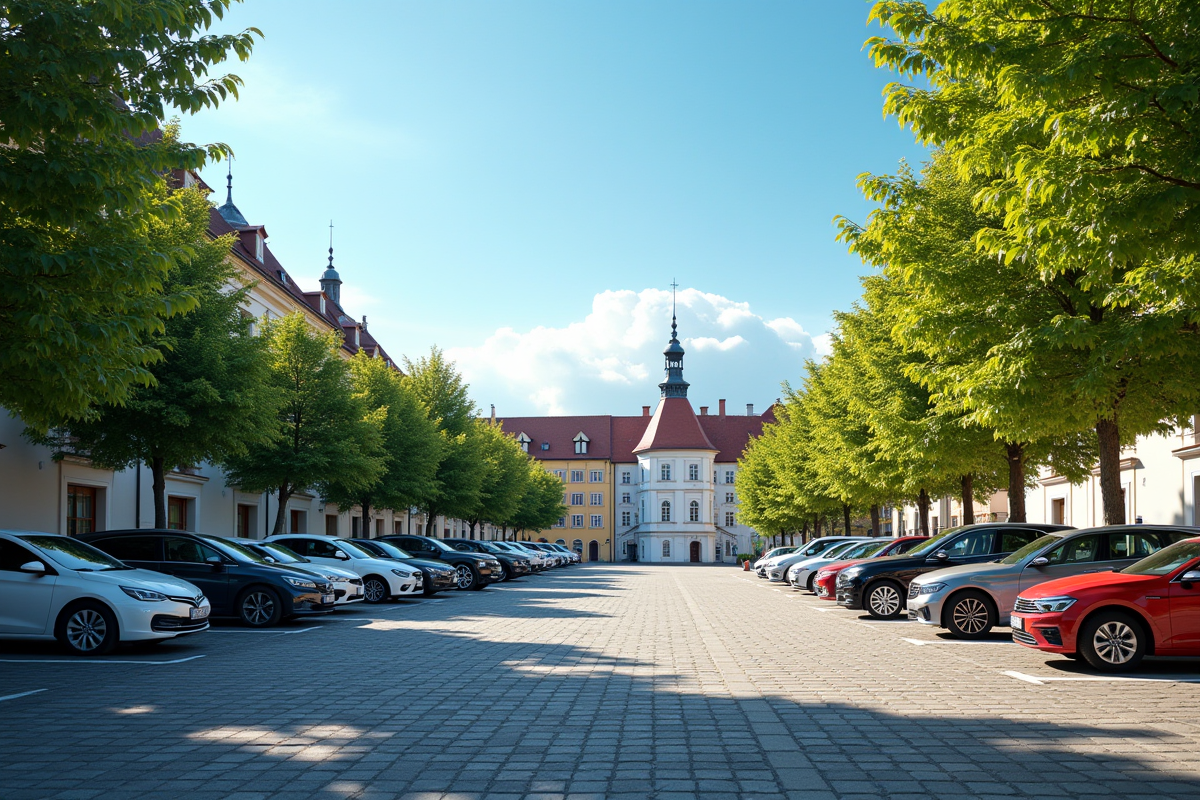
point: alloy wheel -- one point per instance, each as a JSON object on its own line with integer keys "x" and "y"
{"x": 374, "y": 590}
{"x": 86, "y": 630}
{"x": 970, "y": 615}
{"x": 466, "y": 578}
{"x": 258, "y": 608}
{"x": 885, "y": 601}
{"x": 1115, "y": 642}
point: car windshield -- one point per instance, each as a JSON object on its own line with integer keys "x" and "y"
{"x": 1166, "y": 560}
{"x": 1033, "y": 547}
{"x": 354, "y": 551}
{"x": 934, "y": 543}
{"x": 391, "y": 549}
{"x": 74, "y": 554}
{"x": 278, "y": 552}
{"x": 438, "y": 544}
{"x": 836, "y": 550}
{"x": 489, "y": 547}
{"x": 864, "y": 550}
{"x": 234, "y": 550}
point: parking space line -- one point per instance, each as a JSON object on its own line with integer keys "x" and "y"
{"x": 920, "y": 642}
{"x": 1040, "y": 680}
{"x": 266, "y": 632}
{"x": 69, "y": 660}
{"x": 21, "y": 694}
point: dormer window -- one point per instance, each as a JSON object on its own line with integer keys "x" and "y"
{"x": 322, "y": 304}
{"x": 524, "y": 441}
{"x": 258, "y": 246}
{"x": 581, "y": 443}
{"x": 358, "y": 337}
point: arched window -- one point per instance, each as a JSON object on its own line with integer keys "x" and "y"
{"x": 577, "y": 545}
{"x": 561, "y": 541}
{"x": 666, "y": 510}
{"x": 666, "y": 548}
{"x": 665, "y": 472}
{"x": 694, "y": 511}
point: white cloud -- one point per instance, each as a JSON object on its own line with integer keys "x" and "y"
{"x": 611, "y": 361}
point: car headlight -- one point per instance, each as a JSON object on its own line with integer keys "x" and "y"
{"x": 931, "y": 588}
{"x": 300, "y": 583}
{"x": 1048, "y": 605}
{"x": 143, "y": 594}
{"x": 847, "y": 575}
{"x": 402, "y": 573}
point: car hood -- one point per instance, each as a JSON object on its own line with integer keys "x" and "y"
{"x": 142, "y": 579}
{"x": 838, "y": 566}
{"x": 1090, "y": 580}
{"x": 965, "y": 571}
{"x": 426, "y": 563}
{"x": 330, "y": 573}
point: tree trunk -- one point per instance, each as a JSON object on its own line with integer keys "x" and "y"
{"x": 1112, "y": 498}
{"x": 1015, "y": 453}
{"x": 846, "y": 516}
{"x": 804, "y": 533}
{"x": 430, "y": 521}
{"x": 281, "y": 512}
{"x": 875, "y": 531}
{"x": 968, "y": 499}
{"x": 365, "y": 531}
{"x": 158, "y": 486}
{"x": 816, "y": 526}
{"x": 923, "y": 512}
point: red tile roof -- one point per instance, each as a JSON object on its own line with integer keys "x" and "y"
{"x": 674, "y": 426}
{"x": 559, "y": 434}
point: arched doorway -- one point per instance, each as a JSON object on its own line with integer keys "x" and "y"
{"x": 593, "y": 550}
{"x": 695, "y": 553}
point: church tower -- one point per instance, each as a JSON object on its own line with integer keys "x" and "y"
{"x": 331, "y": 282}
{"x": 674, "y": 385}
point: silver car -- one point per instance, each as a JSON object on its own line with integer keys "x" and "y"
{"x": 971, "y": 599}
{"x": 776, "y": 569}
{"x": 802, "y": 574}
{"x": 760, "y": 566}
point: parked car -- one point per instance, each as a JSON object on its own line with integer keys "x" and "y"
{"x": 970, "y": 600}
{"x": 347, "y": 586}
{"x": 55, "y": 587}
{"x": 772, "y": 553}
{"x": 438, "y": 577}
{"x": 538, "y": 560}
{"x": 803, "y": 574}
{"x": 474, "y": 570}
{"x": 777, "y": 568}
{"x": 511, "y": 564}
{"x": 574, "y": 556}
{"x": 557, "y": 559}
{"x": 382, "y": 579}
{"x": 825, "y": 584}
{"x": 238, "y": 582}
{"x": 1112, "y": 620}
{"x": 880, "y": 586}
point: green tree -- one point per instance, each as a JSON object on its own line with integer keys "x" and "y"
{"x": 323, "y": 431}
{"x": 209, "y": 399}
{"x": 541, "y": 504}
{"x": 504, "y": 470}
{"x": 459, "y": 477}
{"x": 410, "y": 446}
{"x": 83, "y": 89}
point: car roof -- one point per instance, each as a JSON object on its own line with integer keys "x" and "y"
{"x": 16, "y": 532}
{"x": 1132, "y": 526}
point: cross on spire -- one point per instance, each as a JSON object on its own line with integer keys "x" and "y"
{"x": 331, "y": 244}
{"x": 674, "y": 286}
{"x": 229, "y": 182}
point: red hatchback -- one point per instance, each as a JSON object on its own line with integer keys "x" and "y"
{"x": 824, "y": 583}
{"x": 1113, "y": 619}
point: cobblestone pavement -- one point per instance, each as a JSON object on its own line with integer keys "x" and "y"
{"x": 623, "y": 681}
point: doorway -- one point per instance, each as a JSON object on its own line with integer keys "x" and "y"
{"x": 593, "y": 550}
{"x": 694, "y": 555}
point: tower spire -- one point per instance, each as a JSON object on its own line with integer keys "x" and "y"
{"x": 331, "y": 282}
{"x": 674, "y": 385}
{"x": 229, "y": 212}
{"x": 330, "y": 244}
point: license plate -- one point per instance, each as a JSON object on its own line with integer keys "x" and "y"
{"x": 1018, "y": 624}
{"x": 200, "y": 613}
{"x": 327, "y": 598}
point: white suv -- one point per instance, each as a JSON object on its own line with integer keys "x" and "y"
{"x": 56, "y": 587}
{"x": 382, "y": 578}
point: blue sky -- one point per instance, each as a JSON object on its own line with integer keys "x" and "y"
{"x": 519, "y": 182}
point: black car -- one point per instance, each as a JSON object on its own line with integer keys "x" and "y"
{"x": 438, "y": 575}
{"x": 237, "y": 582}
{"x": 475, "y": 570}
{"x": 880, "y": 585}
{"x": 511, "y": 564}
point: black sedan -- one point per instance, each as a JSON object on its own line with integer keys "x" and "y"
{"x": 511, "y": 564}
{"x": 880, "y": 585}
{"x": 474, "y": 570}
{"x": 236, "y": 581}
{"x": 438, "y": 575}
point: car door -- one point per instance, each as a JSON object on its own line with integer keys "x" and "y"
{"x": 25, "y": 597}
{"x": 1073, "y": 556}
{"x": 420, "y": 547}
{"x": 1185, "y": 611}
{"x": 316, "y": 550}
{"x": 201, "y": 565}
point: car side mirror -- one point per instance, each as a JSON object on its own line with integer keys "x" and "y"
{"x": 1040, "y": 561}
{"x": 33, "y": 568}
{"x": 215, "y": 562}
{"x": 942, "y": 555}
{"x": 269, "y": 560}
{"x": 1187, "y": 579}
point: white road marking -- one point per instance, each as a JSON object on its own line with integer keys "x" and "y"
{"x": 1039, "y": 680}
{"x": 72, "y": 660}
{"x": 21, "y": 694}
{"x": 265, "y": 632}
{"x": 920, "y": 642}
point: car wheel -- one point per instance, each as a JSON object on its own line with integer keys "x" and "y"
{"x": 375, "y": 589}
{"x": 88, "y": 628}
{"x": 883, "y": 601}
{"x": 970, "y": 615}
{"x": 812, "y": 583}
{"x": 259, "y": 607}
{"x": 1112, "y": 641}
{"x": 466, "y": 577}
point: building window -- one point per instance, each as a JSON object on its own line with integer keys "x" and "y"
{"x": 296, "y": 520}
{"x": 576, "y": 498}
{"x": 596, "y": 476}
{"x": 666, "y": 510}
{"x": 577, "y": 545}
{"x": 597, "y": 521}
{"x": 331, "y": 525}
{"x": 597, "y": 499}
{"x": 694, "y": 511}
{"x": 177, "y": 513}
{"x": 576, "y": 476}
{"x": 581, "y": 444}
{"x": 524, "y": 441}
{"x": 577, "y": 520}
{"x": 561, "y": 474}
{"x": 729, "y": 497}
{"x": 562, "y": 522}
{"x": 693, "y": 472}
{"x": 258, "y": 253}
{"x": 625, "y": 517}
{"x": 245, "y": 521}
{"x": 666, "y": 549}
{"x": 625, "y": 498}
{"x": 81, "y": 509}
{"x": 729, "y": 519}
{"x": 625, "y": 478}
{"x": 664, "y": 472}
{"x": 729, "y": 476}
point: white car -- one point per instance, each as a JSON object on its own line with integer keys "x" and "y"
{"x": 802, "y": 574}
{"x": 759, "y": 566}
{"x": 56, "y": 587}
{"x": 536, "y": 557}
{"x": 382, "y": 578}
{"x": 347, "y": 585}
{"x": 776, "y": 569}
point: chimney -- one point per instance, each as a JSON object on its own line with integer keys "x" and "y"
{"x": 364, "y": 322}
{"x": 721, "y": 407}
{"x": 704, "y": 411}
{"x": 645, "y": 411}
{"x": 749, "y": 409}
{"x": 493, "y": 413}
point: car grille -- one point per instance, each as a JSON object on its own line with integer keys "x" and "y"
{"x": 163, "y": 623}
{"x": 191, "y": 601}
{"x": 913, "y": 590}
{"x": 1023, "y": 637}
{"x": 1025, "y": 606}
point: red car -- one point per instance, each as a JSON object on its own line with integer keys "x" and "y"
{"x": 1113, "y": 619}
{"x": 823, "y": 584}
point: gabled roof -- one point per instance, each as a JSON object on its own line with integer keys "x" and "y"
{"x": 674, "y": 426}
{"x": 560, "y": 432}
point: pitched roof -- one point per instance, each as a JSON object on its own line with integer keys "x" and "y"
{"x": 674, "y": 426}
{"x": 559, "y": 434}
